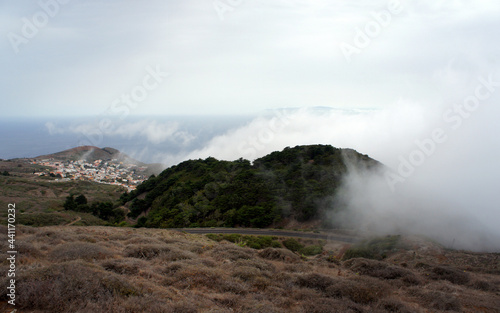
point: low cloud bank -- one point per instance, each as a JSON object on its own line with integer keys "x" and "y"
{"x": 444, "y": 187}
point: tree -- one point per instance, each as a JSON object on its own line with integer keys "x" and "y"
{"x": 103, "y": 210}
{"x": 70, "y": 203}
{"x": 81, "y": 200}
{"x": 5, "y": 173}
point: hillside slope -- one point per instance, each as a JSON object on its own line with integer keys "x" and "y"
{"x": 113, "y": 269}
{"x": 297, "y": 183}
{"x": 90, "y": 154}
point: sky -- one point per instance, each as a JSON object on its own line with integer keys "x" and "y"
{"x": 413, "y": 84}
{"x": 70, "y": 57}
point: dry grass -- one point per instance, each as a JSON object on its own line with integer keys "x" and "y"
{"x": 438, "y": 300}
{"x": 450, "y": 274}
{"x": 146, "y": 251}
{"x": 382, "y": 270}
{"x": 79, "y": 250}
{"x": 100, "y": 269}
{"x": 279, "y": 254}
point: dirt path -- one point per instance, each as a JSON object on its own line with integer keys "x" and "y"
{"x": 270, "y": 232}
{"x": 77, "y": 220}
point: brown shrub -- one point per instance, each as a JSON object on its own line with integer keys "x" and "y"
{"x": 176, "y": 254}
{"x": 380, "y": 269}
{"x": 126, "y": 266}
{"x": 187, "y": 245}
{"x": 231, "y": 252}
{"x": 482, "y": 285}
{"x": 26, "y": 230}
{"x": 436, "y": 299}
{"x": 297, "y": 268}
{"x": 421, "y": 265}
{"x": 325, "y": 305}
{"x": 393, "y": 305}
{"x": 59, "y": 287}
{"x": 229, "y": 301}
{"x": 27, "y": 249}
{"x": 138, "y": 304}
{"x": 363, "y": 290}
{"x": 79, "y": 250}
{"x": 315, "y": 281}
{"x": 261, "y": 282}
{"x": 51, "y": 237}
{"x": 257, "y": 305}
{"x": 3, "y": 229}
{"x": 246, "y": 273}
{"x": 146, "y": 251}
{"x": 279, "y": 254}
{"x": 256, "y": 263}
{"x": 452, "y": 275}
{"x": 139, "y": 240}
{"x": 172, "y": 268}
{"x": 86, "y": 238}
{"x": 193, "y": 277}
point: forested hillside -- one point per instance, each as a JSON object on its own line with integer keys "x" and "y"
{"x": 297, "y": 183}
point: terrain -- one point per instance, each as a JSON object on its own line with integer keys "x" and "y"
{"x": 71, "y": 263}
{"x": 109, "y": 269}
{"x": 294, "y": 186}
{"x": 292, "y": 189}
{"x": 40, "y": 199}
{"x": 90, "y": 154}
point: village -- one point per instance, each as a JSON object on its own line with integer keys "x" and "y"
{"x": 110, "y": 172}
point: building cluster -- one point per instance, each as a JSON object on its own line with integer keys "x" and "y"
{"x": 107, "y": 172}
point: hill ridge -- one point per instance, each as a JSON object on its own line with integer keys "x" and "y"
{"x": 296, "y": 183}
{"x": 90, "y": 154}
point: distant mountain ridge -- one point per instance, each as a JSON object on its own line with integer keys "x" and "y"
{"x": 90, "y": 154}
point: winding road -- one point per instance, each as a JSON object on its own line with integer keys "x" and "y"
{"x": 271, "y": 232}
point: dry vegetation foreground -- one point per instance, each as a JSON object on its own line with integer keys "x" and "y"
{"x": 105, "y": 269}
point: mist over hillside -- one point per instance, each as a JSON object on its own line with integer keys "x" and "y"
{"x": 451, "y": 186}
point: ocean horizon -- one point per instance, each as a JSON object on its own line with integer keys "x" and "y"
{"x": 143, "y": 138}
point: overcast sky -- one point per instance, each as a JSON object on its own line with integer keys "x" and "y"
{"x": 239, "y": 56}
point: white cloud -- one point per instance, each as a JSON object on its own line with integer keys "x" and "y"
{"x": 266, "y": 54}
{"x": 53, "y": 129}
{"x": 451, "y": 196}
{"x": 151, "y": 130}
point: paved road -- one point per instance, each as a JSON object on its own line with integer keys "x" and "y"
{"x": 270, "y": 232}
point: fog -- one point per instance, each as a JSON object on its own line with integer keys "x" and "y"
{"x": 441, "y": 174}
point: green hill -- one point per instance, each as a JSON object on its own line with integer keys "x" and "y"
{"x": 297, "y": 183}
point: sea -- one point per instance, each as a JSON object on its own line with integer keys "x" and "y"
{"x": 141, "y": 137}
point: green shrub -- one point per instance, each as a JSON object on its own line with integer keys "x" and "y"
{"x": 311, "y": 250}
{"x": 254, "y": 242}
{"x": 377, "y": 248}
{"x": 292, "y": 244}
{"x": 42, "y": 219}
